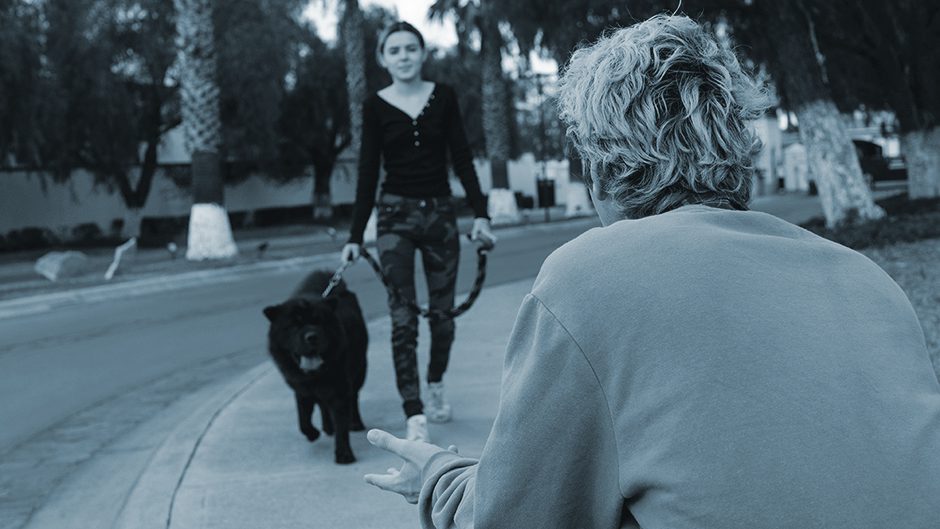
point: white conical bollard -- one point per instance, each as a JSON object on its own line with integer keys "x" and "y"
{"x": 577, "y": 201}
{"x": 210, "y": 234}
{"x": 501, "y": 207}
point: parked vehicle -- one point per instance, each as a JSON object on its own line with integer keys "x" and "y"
{"x": 875, "y": 166}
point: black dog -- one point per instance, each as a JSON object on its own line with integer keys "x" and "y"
{"x": 319, "y": 345}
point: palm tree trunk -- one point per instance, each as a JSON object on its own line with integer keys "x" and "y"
{"x": 495, "y": 113}
{"x": 353, "y": 39}
{"x": 210, "y": 234}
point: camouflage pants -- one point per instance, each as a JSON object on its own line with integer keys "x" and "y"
{"x": 430, "y": 227}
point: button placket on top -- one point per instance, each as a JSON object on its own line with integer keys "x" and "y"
{"x": 414, "y": 122}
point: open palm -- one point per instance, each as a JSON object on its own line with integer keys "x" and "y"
{"x": 406, "y": 480}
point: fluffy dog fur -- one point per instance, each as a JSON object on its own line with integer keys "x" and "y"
{"x": 319, "y": 345}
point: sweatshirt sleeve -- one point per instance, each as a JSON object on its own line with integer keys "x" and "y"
{"x": 370, "y": 151}
{"x": 461, "y": 155}
{"x": 551, "y": 459}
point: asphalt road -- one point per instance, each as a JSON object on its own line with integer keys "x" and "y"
{"x": 56, "y": 364}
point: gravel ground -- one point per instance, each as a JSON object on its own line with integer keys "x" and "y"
{"x": 915, "y": 267}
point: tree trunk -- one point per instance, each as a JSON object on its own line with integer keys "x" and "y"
{"x": 834, "y": 165}
{"x": 132, "y": 221}
{"x": 210, "y": 234}
{"x": 830, "y": 153}
{"x": 921, "y": 149}
{"x": 354, "y": 54}
{"x": 495, "y": 113}
{"x": 322, "y": 206}
{"x": 135, "y": 196}
{"x": 207, "y": 178}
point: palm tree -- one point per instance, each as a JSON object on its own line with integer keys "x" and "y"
{"x": 352, "y": 38}
{"x": 210, "y": 235}
{"x": 484, "y": 19}
{"x": 495, "y": 114}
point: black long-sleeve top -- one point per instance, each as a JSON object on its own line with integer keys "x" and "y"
{"x": 415, "y": 154}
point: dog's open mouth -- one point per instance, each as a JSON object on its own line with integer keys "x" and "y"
{"x": 310, "y": 363}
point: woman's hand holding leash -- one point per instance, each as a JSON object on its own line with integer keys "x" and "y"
{"x": 406, "y": 480}
{"x": 482, "y": 231}
{"x": 351, "y": 252}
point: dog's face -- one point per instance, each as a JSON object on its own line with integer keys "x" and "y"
{"x": 306, "y": 330}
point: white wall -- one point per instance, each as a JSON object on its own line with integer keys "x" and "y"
{"x": 770, "y": 159}
{"x": 34, "y": 200}
{"x": 522, "y": 175}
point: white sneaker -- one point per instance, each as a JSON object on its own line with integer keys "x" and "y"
{"x": 437, "y": 408}
{"x": 418, "y": 429}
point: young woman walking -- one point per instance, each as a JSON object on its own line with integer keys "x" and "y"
{"x": 411, "y": 126}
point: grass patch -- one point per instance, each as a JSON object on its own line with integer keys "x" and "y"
{"x": 906, "y": 221}
{"x": 914, "y": 266}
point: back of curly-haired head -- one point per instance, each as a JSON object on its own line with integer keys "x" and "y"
{"x": 659, "y": 114}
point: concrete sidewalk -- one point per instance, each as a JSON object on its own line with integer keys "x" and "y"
{"x": 247, "y": 466}
{"x": 244, "y": 464}
{"x": 233, "y": 457}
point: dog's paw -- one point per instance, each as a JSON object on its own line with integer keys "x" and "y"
{"x": 345, "y": 457}
{"x": 356, "y": 426}
{"x": 311, "y": 434}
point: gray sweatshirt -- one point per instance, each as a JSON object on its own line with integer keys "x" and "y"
{"x": 705, "y": 369}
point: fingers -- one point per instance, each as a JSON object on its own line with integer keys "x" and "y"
{"x": 386, "y": 441}
{"x": 393, "y": 482}
{"x": 390, "y": 482}
{"x": 350, "y": 252}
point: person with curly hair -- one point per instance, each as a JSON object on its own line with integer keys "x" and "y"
{"x": 691, "y": 364}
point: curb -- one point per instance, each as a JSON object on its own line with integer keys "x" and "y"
{"x": 150, "y": 503}
{"x": 40, "y": 303}
{"x": 45, "y": 302}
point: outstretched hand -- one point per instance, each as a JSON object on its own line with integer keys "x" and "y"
{"x": 406, "y": 480}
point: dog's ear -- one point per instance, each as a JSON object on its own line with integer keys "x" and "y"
{"x": 331, "y": 302}
{"x": 272, "y": 312}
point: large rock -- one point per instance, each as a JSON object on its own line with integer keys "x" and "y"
{"x": 57, "y": 265}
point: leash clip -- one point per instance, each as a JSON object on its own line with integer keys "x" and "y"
{"x": 337, "y": 277}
